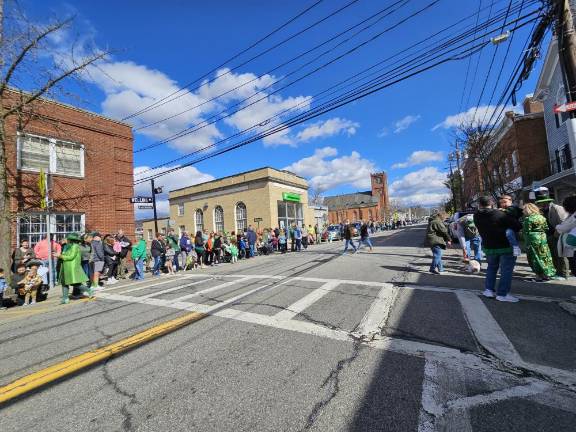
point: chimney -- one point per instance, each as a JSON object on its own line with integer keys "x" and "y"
{"x": 532, "y": 106}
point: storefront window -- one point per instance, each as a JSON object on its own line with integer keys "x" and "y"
{"x": 290, "y": 213}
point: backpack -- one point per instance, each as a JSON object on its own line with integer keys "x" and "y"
{"x": 470, "y": 230}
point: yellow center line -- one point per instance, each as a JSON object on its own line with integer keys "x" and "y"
{"x": 67, "y": 367}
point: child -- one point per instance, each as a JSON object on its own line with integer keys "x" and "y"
{"x": 2, "y": 287}
{"x": 32, "y": 281}
{"x": 18, "y": 281}
{"x": 233, "y": 253}
{"x": 282, "y": 241}
{"x": 191, "y": 261}
{"x": 170, "y": 258}
{"x": 242, "y": 247}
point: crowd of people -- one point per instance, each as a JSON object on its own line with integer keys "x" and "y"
{"x": 83, "y": 264}
{"x": 544, "y": 230}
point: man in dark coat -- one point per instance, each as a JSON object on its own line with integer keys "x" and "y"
{"x": 492, "y": 225}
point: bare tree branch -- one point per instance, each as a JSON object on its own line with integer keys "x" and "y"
{"x": 27, "y": 48}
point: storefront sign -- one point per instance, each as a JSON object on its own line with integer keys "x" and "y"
{"x": 291, "y": 196}
{"x": 258, "y": 219}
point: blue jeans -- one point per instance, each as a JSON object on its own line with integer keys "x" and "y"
{"x": 437, "y": 259}
{"x": 139, "y": 269}
{"x": 506, "y": 265}
{"x": 475, "y": 245}
{"x": 157, "y": 265}
{"x": 252, "y": 253}
{"x": 176, "y": 262}
{"x": 349, "y": 242}
{"x": 88, "y": 270}
{"x": 366, "y": 241}
{"x": 511, "y": 236}
{"x": 298, "y": 245}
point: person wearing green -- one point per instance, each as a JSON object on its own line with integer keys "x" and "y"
{"x": 71, "y": 272}
{"x": 172, "y": 240}
{"x": 138, "y": 256}
{"x": 539, "y": 256}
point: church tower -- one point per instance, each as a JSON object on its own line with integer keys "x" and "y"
{"x": 380, "y": 190}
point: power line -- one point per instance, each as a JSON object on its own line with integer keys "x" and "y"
{"x": 195, "y": 127}
{"x": 214, "y": 118}
{"x": 173, "y": 96}
{"x": 337, "y": 103}
{"x": 469, "y": 62}
{"x": 297, "y": 57}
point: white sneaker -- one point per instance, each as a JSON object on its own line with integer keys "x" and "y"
{"x": 508, "y": 298}
{"x": 516, "y": 251}
{"x": 489, "y": 294}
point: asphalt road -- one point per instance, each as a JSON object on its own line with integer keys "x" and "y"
{"x": 316, "y": 341}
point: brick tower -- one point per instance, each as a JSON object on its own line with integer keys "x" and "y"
{"x": 380, "y": 190}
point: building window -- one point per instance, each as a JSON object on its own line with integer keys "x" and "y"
{"x": 241, "y": 217}
{"x": 57, "y": 157}
{"x": 290, "y": 213}
{"x": 558, "y": 162}
{"x": 199, "y": 220}
{"x": 218, "y": 219}
{"x": 181, "y": 209}
{"x": 566, "y": 157}
{"x": 150, "y": 235}
{"x": 33, "y": 227}
{"x": 515, "y": 161}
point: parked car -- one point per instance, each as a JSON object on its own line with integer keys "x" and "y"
{"x": 332, "y": 233}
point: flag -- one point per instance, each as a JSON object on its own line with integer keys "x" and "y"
{"x": 42, "y": 188}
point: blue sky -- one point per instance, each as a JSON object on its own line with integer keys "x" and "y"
{"x": 158, "y": 47}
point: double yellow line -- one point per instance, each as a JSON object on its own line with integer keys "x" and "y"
{"x": 82, "y": 361}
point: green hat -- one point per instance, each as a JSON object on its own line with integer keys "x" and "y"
{"x": 73, "y": 237}
{"x": 542, "y": 195}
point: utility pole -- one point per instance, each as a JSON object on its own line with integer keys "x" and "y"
{"x": 566, "y": 47}
{"x": 452, "y": 185}
{"x": 154, "y": 206}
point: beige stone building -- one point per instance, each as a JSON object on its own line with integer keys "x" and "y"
{"x": 264, "y": 198}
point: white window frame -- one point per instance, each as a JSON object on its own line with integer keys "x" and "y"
{"x": 236, "y": 219}
{"x": 218, "y": 207}
{"x": 52, "y": 157}
{"x": 52, "y": 224}
{"x": 196, "y": 220}
{"x": 181, "y": 209}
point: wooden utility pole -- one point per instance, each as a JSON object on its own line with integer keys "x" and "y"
{"x": 566, "y": 47}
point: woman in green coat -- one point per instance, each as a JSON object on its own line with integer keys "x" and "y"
{"x": 539, "y": 256}
{"x": 71, "y": 272}
{"x": 437, "y": 238}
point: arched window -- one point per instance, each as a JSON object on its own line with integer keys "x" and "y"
{"x": 218, "y": 219}
{"x": 199, "y": 220}
{"x": 241, "y": 217}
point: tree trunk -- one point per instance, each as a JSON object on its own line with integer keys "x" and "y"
{"x": 5, "y": 210}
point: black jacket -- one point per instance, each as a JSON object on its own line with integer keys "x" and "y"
{"x": 492, "y": 225}
{"x": 109, "y": 254}
{"x": 157, "y": 248}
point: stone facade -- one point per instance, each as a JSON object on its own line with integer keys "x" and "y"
{"x": 235, "y": 202}
{"x": 96, "y": 197}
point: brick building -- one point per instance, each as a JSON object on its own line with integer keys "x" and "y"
{"x": 519, "y": 156}
{"x": 90, "y": 161}
{"x": 373, "y": 204}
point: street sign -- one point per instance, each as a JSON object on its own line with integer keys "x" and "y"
{"x": 145, "y": 207}
{"x": 258, "y": 219}
{"x": 291, "y": 196}
{"x": 571, "y": 106}
{"x": 141, "y": 200}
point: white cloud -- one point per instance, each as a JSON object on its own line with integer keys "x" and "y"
{"x": 324, "y": 173}
{"x": 472, "y": 117}
{"x": 186, "y": 176}
{"x": 384, "y": 132}
{"x": 405, "y": 122}
{"x": 420, "y": 157}
{"x": 327, "y": 128}
{"x": 424, "y": 187}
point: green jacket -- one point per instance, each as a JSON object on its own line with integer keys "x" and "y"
{"x": 139, "y": 251}
{"x": 437, "y": 233}
{"x": 71, "y": 272}
{"x": 173, "y": 243}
